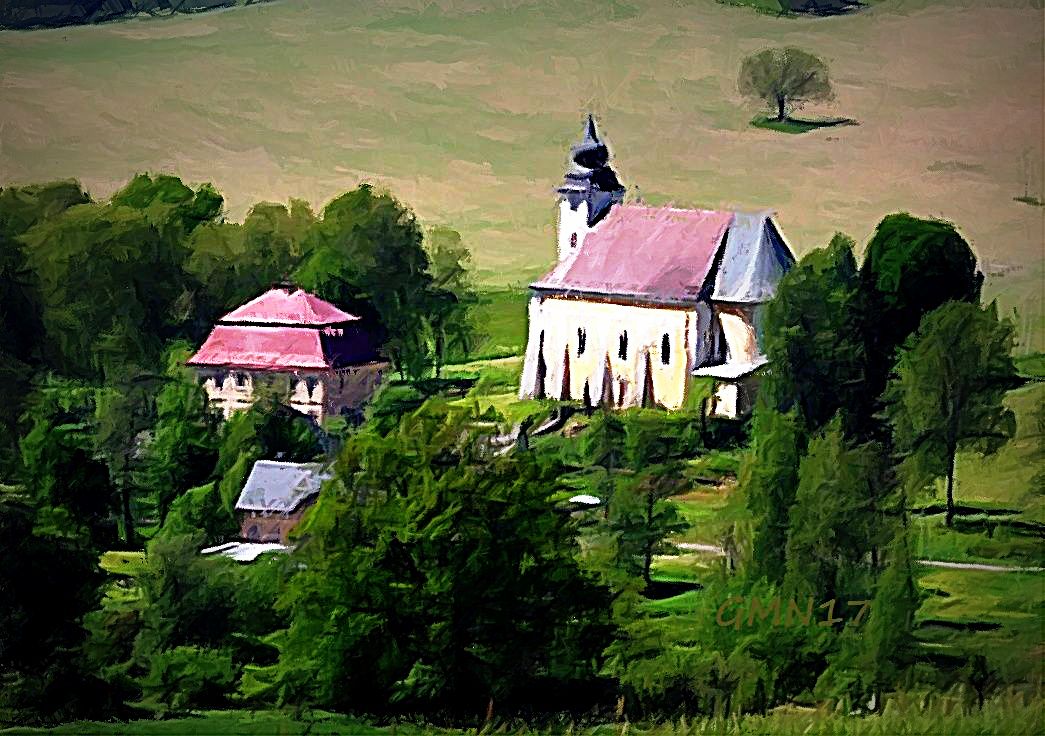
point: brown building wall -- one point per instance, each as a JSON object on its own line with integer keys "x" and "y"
{"x": 260, "y": 526}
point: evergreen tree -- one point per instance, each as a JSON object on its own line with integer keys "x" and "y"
{"x": 812, "y": 336}
{"x": 181, "y": 451}
{"x": 833, "y": 524}
{"x": 769, "y": 481}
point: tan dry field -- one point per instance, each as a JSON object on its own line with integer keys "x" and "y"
{"x": 465, "y": 113}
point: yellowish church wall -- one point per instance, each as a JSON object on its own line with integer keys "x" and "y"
{"x": 603, "y": 323}
{"x": 739, "y": 331}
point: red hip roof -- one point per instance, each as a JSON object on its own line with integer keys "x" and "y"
{"x": 283, "y": 306}
{"x": 272, "y": 348}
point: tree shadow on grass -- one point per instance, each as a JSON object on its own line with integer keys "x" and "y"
{"x": 798, "y": 125}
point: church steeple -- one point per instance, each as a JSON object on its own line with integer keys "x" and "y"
{"x": 590, "y": 180}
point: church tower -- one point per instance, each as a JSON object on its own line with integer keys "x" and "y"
{"x": 588, "y": 191}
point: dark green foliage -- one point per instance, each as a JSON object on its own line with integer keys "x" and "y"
{"x": 61, "y": 470}
{"x": 415, "y": 585}
{"x": 451, "y": 300}
{"x": 20, "y": 303}
{"x": 187, "y": 678}
{"x": 135, "y": 278}
{"x": 49, "y": 580}
{"x": 234, "y": 263}
{"x": 367, "y": 255}
{"x": 182, "y": 450}
{"x": 833, "y": 522}
{"x": 812, "y": 339}
{"x": 947, "y": 392}
{"x": 188, "y": 600}
{"x": 604, "y": 442}
{"x": 911, "y": 267}
{"x": 888, "y": 647}
{"x": 769, "y": 479}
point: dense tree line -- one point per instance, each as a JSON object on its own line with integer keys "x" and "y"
{"x": 49, "y": 14}
{"x": 438, "y": 576}
{"x": 103, "y": 432}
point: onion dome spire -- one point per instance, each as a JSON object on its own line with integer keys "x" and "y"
{"x": 589, "y": 177}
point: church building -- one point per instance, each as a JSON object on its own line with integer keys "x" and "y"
{"x": 644, "y": 301}
{"x": 306, "y": 350}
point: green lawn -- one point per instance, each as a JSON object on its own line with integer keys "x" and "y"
{"x": 502, "y": 321}
{"x": 1012, "y": 602}
{"x": 1007, "y": 715}
{"x": 797, "y": 125}
{"x": 123, "y": 563}
{"x": 235, "y": 723}
{"x": 1006, "y": 479}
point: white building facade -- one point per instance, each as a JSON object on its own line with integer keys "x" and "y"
{"x": 643, "y": 300}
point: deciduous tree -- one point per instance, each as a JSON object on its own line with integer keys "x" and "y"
{"x": 950, "y": 379}
{"x": 785, "y": 78}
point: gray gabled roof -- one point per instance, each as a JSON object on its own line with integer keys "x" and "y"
{"x": 753, "y": 260}
{"x": 280, "y": 487}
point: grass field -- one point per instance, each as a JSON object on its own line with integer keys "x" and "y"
{"x": 1006, "y": 716}
{"x": 465, "y": 109}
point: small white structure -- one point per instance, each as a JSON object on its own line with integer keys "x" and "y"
{"x": 243, "y": 551}
{"x": 644, "y": 299}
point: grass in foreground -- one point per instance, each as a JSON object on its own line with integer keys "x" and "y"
{"x": 1011, "y": 715}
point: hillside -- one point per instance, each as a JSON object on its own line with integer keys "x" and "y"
{"x": 26, "y": 14}
{"x": 466, "y": 112}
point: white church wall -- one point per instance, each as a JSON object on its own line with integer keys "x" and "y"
{"x": 603, "y": 324}
{"x": 572, "y": 222}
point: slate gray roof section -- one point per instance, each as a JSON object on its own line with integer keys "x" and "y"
{"x": 754, "y": 259}
{"x": 280, "y": 487}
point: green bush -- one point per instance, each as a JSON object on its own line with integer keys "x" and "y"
{"x": 186, "y": 678}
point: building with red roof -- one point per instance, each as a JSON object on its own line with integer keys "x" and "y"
{"x": 320, "y": 357}
{"x": 643, "y": 300}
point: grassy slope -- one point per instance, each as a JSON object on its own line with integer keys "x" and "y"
{"x": 1008, "y": 716}
{"x": 466, "y": 112}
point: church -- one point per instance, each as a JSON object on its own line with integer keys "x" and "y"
{"x": 646, "y": 301}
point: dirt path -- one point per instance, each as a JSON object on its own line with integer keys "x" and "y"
{"x": 715, "y": 550}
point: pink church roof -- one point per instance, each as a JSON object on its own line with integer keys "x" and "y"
{"x": 661, "y": 254}
{"x": 264, "y": 348}
{"x": 284, "y": 306}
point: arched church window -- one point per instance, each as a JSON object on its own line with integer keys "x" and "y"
{"x": 622, "y": 346}
{"x": 665, "y": 349}
{"x": 573, "y": 240}
{"x": 582, "y": 341}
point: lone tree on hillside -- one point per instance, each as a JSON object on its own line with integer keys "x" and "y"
{"x": 784, "y": 78}
{"x": 947, "y": 389}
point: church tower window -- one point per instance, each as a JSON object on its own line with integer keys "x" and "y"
{"x": 573, "y": 240}
{"x": 582, "y": 341}
{"x": 665, "y": 349}
{"x": 622, "y": 345}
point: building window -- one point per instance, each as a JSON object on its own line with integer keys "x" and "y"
{"x": 573, "y": 240}
{"x": 665, "y": 349}
{"x": 582, "y": 341}
{"x": 241, "y": 379}
{"x": 622, "y": 346}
